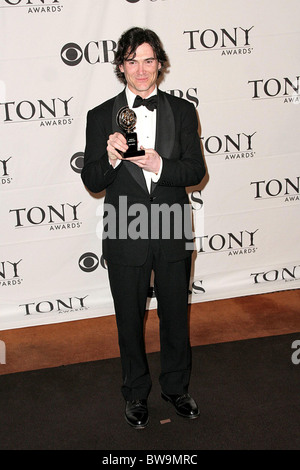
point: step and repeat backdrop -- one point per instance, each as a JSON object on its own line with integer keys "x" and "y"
{"x": 237, "y": 61}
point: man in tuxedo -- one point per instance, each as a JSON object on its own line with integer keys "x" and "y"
{"x": 155, "y": 182}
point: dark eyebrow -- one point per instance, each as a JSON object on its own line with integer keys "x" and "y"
{"x": 134, "y": 59}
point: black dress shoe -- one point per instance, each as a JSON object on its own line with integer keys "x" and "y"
{"x": 136, "y": 413}
{"x": 185, "y": 405}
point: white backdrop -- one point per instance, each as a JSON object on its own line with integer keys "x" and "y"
{"x": 237, "y": 61}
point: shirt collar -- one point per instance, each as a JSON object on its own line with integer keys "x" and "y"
{"x": 131, "y": 96}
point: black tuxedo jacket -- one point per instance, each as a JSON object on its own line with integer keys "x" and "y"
{"x": 178, "y": 143}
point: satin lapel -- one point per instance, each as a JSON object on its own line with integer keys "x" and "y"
{"x": 165, "y": 129}
{"x": 134, "y": 170}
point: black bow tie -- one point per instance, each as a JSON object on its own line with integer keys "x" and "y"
{"x": 150, "y": 103}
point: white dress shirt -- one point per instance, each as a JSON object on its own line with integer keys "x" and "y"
{"x": 146, "y": 130}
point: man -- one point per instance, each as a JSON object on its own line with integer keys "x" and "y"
{"x": 156, "y": 180}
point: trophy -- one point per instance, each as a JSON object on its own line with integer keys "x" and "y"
{"x": 126, "y": 120}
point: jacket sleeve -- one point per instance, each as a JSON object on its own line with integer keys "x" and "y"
{"x": 97, "y": 172}
{"x": 189, "y": 169}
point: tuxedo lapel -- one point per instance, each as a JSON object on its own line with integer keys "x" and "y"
{"x": 134, "y": 170}
{"x": 165, "y": 129}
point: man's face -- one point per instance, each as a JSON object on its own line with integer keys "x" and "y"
{"x": 141, "y": 71}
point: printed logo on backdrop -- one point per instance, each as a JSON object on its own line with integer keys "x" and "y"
{"x": 230, "y": 41}
{"x": 285, "y": 189}
{"x": 57, "y": 217}
{"x": 231, "y": 243}
{"x": 190, "y": 94}
{"x": 34, "y": 6}
{"x": 197, "y": 205}
{"x": 10, "y": 273}
{"x": 61, "y": 306}
{"x": 232, "y": 147}
{"x": 286, "y": 89}
{"x": 89, "y": 262}
{"x": 94, "y": 52}
{"x": 285, "y": 274}
{"x": 76, "y": 162}
{"x": 5, "y": 175}
{"x": 47, "y": 112}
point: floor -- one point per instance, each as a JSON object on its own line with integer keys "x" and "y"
{"x": 94, "y": 339}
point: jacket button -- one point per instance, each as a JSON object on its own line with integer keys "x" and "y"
{"x": 151, "y": 199}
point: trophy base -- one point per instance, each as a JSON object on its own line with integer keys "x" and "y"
{"x": 133, "y": 153}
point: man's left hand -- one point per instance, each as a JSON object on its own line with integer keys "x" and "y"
{"x": 151, "y": 161}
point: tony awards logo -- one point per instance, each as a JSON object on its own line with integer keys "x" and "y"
{"x": 126, "y": 120}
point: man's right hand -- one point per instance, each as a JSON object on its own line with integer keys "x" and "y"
{"x": 116, "y": 142}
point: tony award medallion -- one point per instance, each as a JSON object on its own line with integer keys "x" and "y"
{"x": 126, "y": 120}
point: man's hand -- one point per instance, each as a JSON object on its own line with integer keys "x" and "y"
{"x": 151, "y": 161}
{"x": 116, "y": 142}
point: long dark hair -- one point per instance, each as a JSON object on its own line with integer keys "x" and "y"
{"x": 130, "y": 41}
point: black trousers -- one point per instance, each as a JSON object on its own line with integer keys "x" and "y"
{"x": 129, "y": 287}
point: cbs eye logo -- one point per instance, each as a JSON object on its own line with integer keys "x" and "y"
{"x": 88, "y": 262}
{"x": 76, "y": 162}
{"x": 71, "y": 54}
